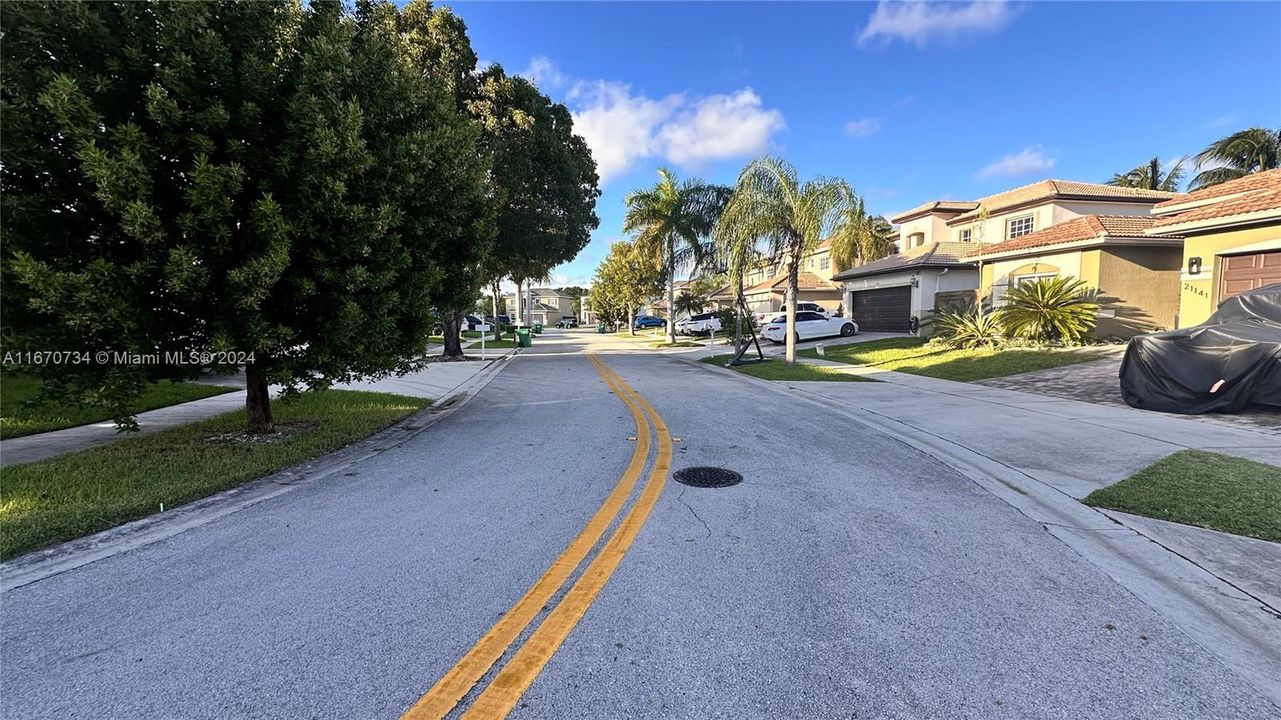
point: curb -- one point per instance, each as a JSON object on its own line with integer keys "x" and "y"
{"x": 41, "y": 564}
{"x": 1227, "y": 621}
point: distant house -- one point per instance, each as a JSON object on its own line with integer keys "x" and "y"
{"x": 1011, "y": 236}
{"x": 1231, "y": 241}
{"x": 765, "y": 286}
{"x": 550, "y": 307}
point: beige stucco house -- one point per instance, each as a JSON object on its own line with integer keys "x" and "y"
{"x": 1231, "y": 241}
{"x": 960, "y": 250}
{"x": 549, "y": 307}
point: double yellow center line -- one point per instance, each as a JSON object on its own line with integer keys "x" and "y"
{"x": 513, "y": 679}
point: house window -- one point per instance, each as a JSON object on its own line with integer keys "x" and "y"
{"x": 825, "y": 263}
{"x": 915, "y": 240}
{"x": 809, "y": 263}
{"x": 1031, "y": 277}
{"x": 965, "y": 235}
{"x": 1020, "y": 226}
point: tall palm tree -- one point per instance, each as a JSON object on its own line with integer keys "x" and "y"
{"x": 671, "y": 222}
{"x": 1238, "y": 155}
{"x": 771, "y": 205}
{"x": 1151, "y": 176}
{"x": 867, "y": 239}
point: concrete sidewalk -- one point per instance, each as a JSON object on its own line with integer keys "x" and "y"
{"x": 1043, "y": 454}
{"x": 439, "y": 381}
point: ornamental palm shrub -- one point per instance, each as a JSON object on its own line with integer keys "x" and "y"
{"x": 1050, "y": 309}
{"x": 969, "y": 326}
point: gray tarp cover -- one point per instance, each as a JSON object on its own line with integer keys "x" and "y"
{"x": 1180, "y": 370}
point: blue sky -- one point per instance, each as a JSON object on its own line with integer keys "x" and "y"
{"x": 909, "y": 102}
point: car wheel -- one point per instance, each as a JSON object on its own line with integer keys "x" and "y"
{"x": 797, "y": 337}
{"x": 847, "y": 330}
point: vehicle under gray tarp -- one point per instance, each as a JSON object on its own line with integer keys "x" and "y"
{"x": 1230, "y": 361}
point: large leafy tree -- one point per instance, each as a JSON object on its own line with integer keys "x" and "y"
{"x": 1237, "y": 155}
{"x": 1151, "y": 176}
{"x": 672, "y": 223}
{"x": 544, "y": 178}
{"x": 257, "y": 177}
{"x": 771, "y": 205}
{"x": 627, "y": 278}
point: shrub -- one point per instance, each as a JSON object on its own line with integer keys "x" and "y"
{"x": 969, "y": 326}
{"x": 1057, "y": 309}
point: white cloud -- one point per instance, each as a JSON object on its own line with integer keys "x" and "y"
{"x": 1028, "y": 160}
{"x": 863, "y": 128}
{"x": 543, "y": 73}
{"x": 919, "y": 22}
{"x": 719, "y": 126}
{"x": 621, "y": 127}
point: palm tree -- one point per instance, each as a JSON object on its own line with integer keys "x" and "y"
{"x": 868, "y": 239}
{"x": 1238, "y": 155}
{"x": 771, "y": 205}
{"x": 1151, "y": 176}
{"x": 670, "y": 222}
{"x": 689, "y": 303}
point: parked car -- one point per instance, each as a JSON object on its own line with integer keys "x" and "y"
{"x": 649, "y": 321}
{"x": 700, "y": 324}
{"x": 763, "y": 317}
{"x": 471, "y": 322}
{"x": 567, "y": 322}
{"x": 809, "y": 325}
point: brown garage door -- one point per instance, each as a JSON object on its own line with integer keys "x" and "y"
{"x": 884, "y": 310}
{"x": 1239, "y": 273}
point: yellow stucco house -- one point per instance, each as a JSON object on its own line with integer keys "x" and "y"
{"x": 1231, "y": 240}
{"x": 1090, "y": 231}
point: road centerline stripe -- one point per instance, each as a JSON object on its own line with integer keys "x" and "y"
{"x": 506, "y": 689}
{"x": 459, "y": 680}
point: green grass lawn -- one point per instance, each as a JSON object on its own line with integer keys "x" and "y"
{"x": 492, "y": 344}
{"x": 915, "y": 356}
{"x": 776, "y": 369}
{"x": 18, "y": 416}
{"x": 1205, "y": 489}
{"x": 73, "y": 495}
{"x": 677, "y": 344}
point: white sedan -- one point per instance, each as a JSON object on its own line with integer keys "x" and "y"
{"x": 809, "y": 325}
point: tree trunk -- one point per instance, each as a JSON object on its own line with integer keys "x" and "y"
{"x": 671, "y": 290}
{"x": 258, "y": 401}
{"x": 631, "y": 320}
{"x": 498, "y": 325}
{"x": 453, "y": 344}
{"x": 793, "y": 270}
{"x": 738, "y": 318}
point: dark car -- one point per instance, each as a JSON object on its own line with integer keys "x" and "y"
{"x": 649, "y": 321}
{"x": 1225, "y": 363}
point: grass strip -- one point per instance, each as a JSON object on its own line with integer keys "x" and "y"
{"x": 73, "y": 495}
{"x": 1204, "y": 489}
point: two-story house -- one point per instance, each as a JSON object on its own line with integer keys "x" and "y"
{"x": 549, "y": 307}
{"x": 958, "y": 251}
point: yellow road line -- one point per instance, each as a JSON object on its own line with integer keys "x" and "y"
{"x": 498, "y": 699}
{"x": 460, "y": 679}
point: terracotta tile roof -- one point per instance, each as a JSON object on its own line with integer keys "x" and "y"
{"x": 805, "y": 280}
{"x": 1050, "y": 189}
{"x": 939, "y": 206}
{"x": 1086, "y": 227}
{"x": 1267, "y": 180}
{"x": 937, "y": 254}
{"x": 1255, "y": 201}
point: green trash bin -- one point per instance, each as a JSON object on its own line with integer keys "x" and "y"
{"x": 600, "y": 328}
{"x": 538, "y": 328}
{"x": 522, "y": 338}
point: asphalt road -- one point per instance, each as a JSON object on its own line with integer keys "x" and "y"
{"x": 848, "y": 576}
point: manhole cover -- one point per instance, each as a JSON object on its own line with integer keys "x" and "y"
{"x": 708, "y": 477}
